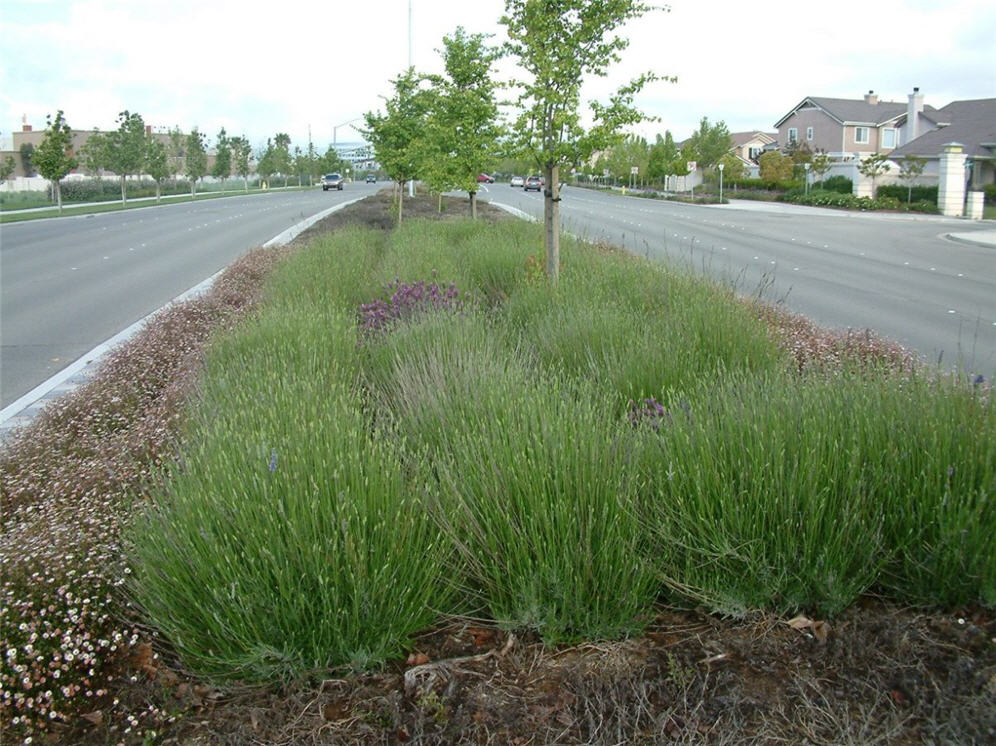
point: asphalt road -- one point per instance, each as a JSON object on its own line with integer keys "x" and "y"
{"x": 69, "y": 284}
{"x": 895, "y": 274}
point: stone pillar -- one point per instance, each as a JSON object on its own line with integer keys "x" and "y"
{"x": 951, "y": 181}
{"x": 975, "y": 200}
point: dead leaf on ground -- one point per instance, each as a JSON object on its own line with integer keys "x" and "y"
{"x": 96, "y": 717}
{"x": 820, "y": 630}
{"x": 417, "y": 659}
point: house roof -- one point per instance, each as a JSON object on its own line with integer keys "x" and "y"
{"x": 971, "y": 123}
{"x": 742, "y": 138}
{"x": 851, "y": 111}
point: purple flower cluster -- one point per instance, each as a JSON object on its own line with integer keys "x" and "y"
{"x": 404, "y": 300}
{"x": 650, "y": 412}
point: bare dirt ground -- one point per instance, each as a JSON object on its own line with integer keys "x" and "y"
{"x": 877, "y": 674}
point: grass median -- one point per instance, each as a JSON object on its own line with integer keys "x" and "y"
{"x": 417, "y": 426}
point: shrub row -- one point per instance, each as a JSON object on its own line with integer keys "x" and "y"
{"x": 907, "y": 194}
{"x": 821, "y": 198}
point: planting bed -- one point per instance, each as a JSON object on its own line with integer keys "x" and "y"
{"x": 877, "y": 672}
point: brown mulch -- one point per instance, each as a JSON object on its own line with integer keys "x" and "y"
{"x": 878, "y": 673}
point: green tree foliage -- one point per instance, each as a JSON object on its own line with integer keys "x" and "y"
{"x": 775, "y": 166}
{"x": 241, "y": 154}
{"x": 54, "y": 157}
{"x": 7, "y": 168}
{"x": 126, "y": 148}
{"x": 177, "y": 152}
{"x": 265, "y": 160}
{"x": 93, "y": 154}
{"x": 281, "y": 155}
{"x": 396, "y": 135}
{"x": 710, "y": 142}
{"x": 331, "y": 162}
{"x": 462, "y": 131}
{"x": 196, "y": 159}
{"x": 910, "y": 169}
{"x": 663, "y": 158}
{"x": 821, "y": 164}
{"x": 557, "y": 44}
{"x": 157, "y": 164}
{"x": 874, "y": 166}
{"x": 27, "y": 151}
{"x": 733, "y": 168}
{"x": 222, "y": 157}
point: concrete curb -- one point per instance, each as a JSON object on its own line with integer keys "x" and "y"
{"x": 27, "y": 407}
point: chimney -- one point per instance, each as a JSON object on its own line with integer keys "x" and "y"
{"x": 913, "y": 110}
{"x": 871, "y": 98}
{"x": 25, "y": 128}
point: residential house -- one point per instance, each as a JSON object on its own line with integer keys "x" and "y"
{"x": 971, "y": 123}
{"x": 748, "y": 146}
{"x": 843, "y": 128}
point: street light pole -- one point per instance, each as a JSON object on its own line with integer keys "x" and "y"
{"x": 721, "y": 167}
{"x": 807, "y": 166}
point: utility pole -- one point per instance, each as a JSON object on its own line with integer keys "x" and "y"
{"x": 411, "y": 63}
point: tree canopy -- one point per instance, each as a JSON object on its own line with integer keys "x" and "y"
{"x": 558, "y": 43}
{"x": 396, "y": 134}
{"x": 126, "y": 148}
{"x": 54, "y": 157}
{"x": 710, "y": 143}
{"x": 196, "y": 159}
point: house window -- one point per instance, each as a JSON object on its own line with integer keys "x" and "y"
{"x": 809, "y": 133}
{"x": 861, "y": 135}
{"x": 753, "y": 152}
{"x": 888, "y": 138}
{"x": 793, "y": 134}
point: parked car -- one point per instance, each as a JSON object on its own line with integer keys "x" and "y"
{"x": 517, "y": 181}
{"x": 485, "y": 179}
{"x": 533, "y": 182}
{"x": 332, "y": 181}
{"x": 371, "y": 178}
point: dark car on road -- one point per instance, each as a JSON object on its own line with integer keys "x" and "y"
{"x": 332, "y": 181}
{"x": 371, "y": 179}
{"x": 533, "y": 182}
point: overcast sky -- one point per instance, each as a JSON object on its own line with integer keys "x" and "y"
{"x": 261, "y": 68}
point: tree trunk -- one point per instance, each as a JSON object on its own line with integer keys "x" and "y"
{"x": 440, "y": 203}
{"x": 159, "y": 192}
{"x": 473, "y": 205}
{"x": 193, "y": 188}
{"x": 401, "y": 199}
{"x": 551, "y": 220}
{"x": 123, "y": 190}
{"x": 58, "y": 194}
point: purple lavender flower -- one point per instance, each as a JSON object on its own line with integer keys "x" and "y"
{"x": 404, "y": 300}
{"x": 273, "y": 460}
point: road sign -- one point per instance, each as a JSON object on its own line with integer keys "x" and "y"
{"x": 691, "y": 166}
{"x": 605, "y": 172}
{"x": 634, "y": 170}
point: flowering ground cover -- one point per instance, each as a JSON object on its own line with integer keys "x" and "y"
{"x": 388, "y": 486}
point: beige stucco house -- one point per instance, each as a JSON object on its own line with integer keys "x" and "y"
{"x": 843, "y": 128}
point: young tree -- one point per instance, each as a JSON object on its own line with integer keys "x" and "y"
{"x": 94, "y": 154}
{"x": 281, "y": 155}
{"x": 196, "y": 159}
{"x": 177, "y": 152}
{"x": 264, "y": 163}
{"x": 126, "y": 148}
{"x": 910, "y": 168}
{"x": 874, "y": 166}
{"x": 462, "y": 131}
{"x": 27, "y": 151}
{"x": 821, "y": 164}
{"x": 241, "y": 153}
{"x": 733, "y": 167}
{"x": 157, "y": 164}
{"x": 7, "y": 168}
{"x": 331, "y": 162}
{"x": 663, "y": 158}
{"x": 396, "y": 135}
{"x": 222, "y": 158}
{"x": 54, "y": 156}
{"x": 775, "y": 166}
{"x": 557, "y": 43}
{"x": 711, "y": 143}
